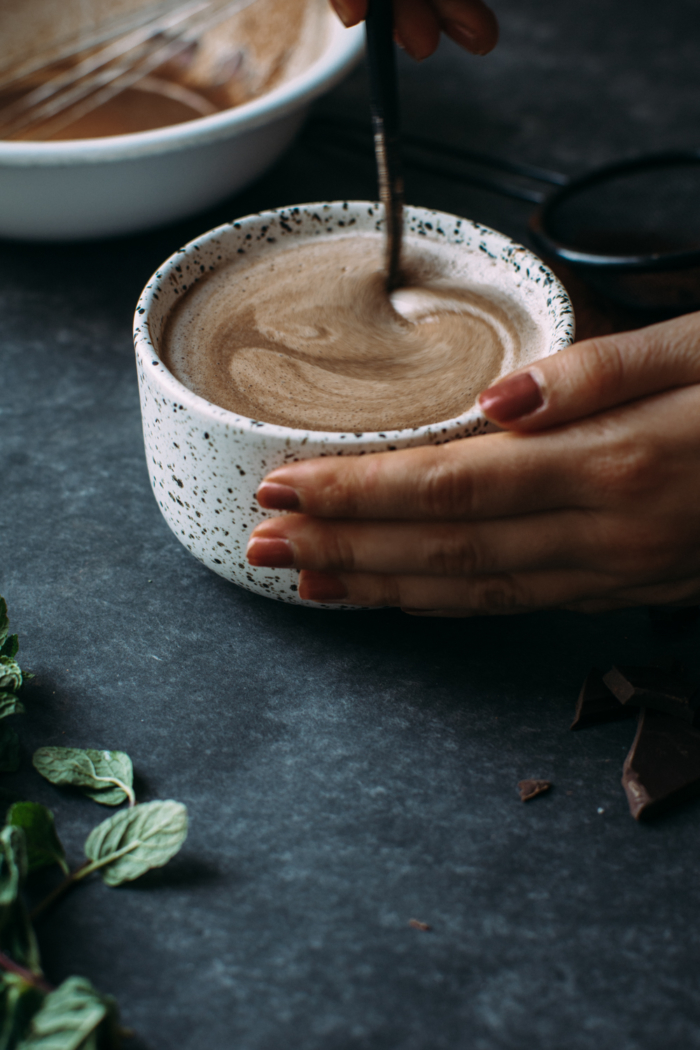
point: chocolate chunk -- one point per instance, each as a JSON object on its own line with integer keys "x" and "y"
{"x": 597, "y": 704}
{"x": 530, "y": 788}
{"x": 416, "y": 924}
{"x": 653, "y": 687}
{"x": 663, "y": 766}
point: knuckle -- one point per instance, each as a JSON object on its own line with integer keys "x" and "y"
{"x": 603, "y": 366}
{"x": 337, "y": 494}
{"x": 376, "y": 591}
{"x": 500, "y": 595}
{"x": 388, "y": 591}
{"x": 337, "y": 486}
{"x": 625, "y": 469}
{"x": 339, "y": 553}
{"x": 356, "y": 483}
{"x": 453, "y": 555}
{"x": 446, "y": 492}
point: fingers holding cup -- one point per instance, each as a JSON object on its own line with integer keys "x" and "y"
{"x": 562, "y": 540}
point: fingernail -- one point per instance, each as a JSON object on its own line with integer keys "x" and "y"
{"x": 271, "y": 553}
{"x": 418, "y": 56}
{"x": 320, "y": 587}
{"x": 343, "y": 12}
{"x": 512, "y": 398}
{"x": 272, "y": 496}
{"x": 463, "y": 36}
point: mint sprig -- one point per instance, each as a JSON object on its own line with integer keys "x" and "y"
{"x": 33, "y": 1015}
{"x": 72, "y": 1017}
{"x": 43, "y": 844}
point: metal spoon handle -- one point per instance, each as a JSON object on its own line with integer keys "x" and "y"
{"x": 384, "y": 98}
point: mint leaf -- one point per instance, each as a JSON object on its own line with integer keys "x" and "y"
{"x": 106, "y": 776}
{"x": 16, "y": 934}
{"x": 74, "y": 1017}
{"x": 4, "y": 620}
{"x": 9, "y": 749}
{"x": 19, "y": 1001}
{"x": 13, "y": 865}
{"x": 127, "y": 844}
{"x": 43, "y": 844}
{"x": 10, "y": 673}
{"x": 9, "y": 648}
{"x": 10, "y": 705}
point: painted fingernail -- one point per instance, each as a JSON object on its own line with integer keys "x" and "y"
{"x": 464, "y": 36}
{"x": 512, "y": 398}
{"x": 410, "y": 48}
{"x": 320, "y": 587}
{"x": 272, "y": 496}
{"x": 271, "y": 553}
{"x": 343, "y": 12}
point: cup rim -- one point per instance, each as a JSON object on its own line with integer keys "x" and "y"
{"x": 563, "y": 328}
{"x": 340, "y": 53}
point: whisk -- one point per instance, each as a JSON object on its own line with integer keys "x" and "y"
{"x": 84, "y": 74}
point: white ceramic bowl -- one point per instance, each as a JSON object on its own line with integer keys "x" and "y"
{"x": 205, "y": 463}
{"x": 88, "y": 188}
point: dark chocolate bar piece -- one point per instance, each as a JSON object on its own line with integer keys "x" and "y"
{"x": 597, "y": 704}
{"x": 654, "y": 687}
{"x": 416, "y": 924}
{"x": 663, "y": 765}
{"x": 531, "y": 788}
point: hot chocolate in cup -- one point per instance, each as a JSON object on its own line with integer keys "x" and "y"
{"x": 271, "y": 340}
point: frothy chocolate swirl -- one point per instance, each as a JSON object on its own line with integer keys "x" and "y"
{"x": 306, "y": 337}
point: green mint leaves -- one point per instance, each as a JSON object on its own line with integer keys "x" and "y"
{"x": 10, "y": 705}
{"x": 10, "y": 674}
{"x": 16, "y": 934}
{"x": 105, "y": 776}
{"x": 19, "y": 1001}
{"x": 43, "y": 844}
{"x": 10, "y": 681}
{"x": 9, "y": 645}
{"x": 10, "y": 671}
{"x": 134, "y": 840}
{"x": 33, "y": 1016}
{"x": 74, "y": 1017}
{"x": 5, "y": 628}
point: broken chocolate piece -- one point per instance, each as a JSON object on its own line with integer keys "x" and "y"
{"x": 653, "y": 687}
{"x": 597, "y": 704}
{"x": 663, "y": 766}
{"x": 530, "y": 788}
{"x": 416, "y": 924}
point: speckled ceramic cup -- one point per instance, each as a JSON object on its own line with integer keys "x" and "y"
{"x": 205, "y": 463}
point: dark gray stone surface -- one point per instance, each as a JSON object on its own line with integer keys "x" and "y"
{"x": 344, "y": 772}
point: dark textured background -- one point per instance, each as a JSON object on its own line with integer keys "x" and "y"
{"x": 345, "y": 772}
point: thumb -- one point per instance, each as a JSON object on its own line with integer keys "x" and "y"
{"x": 596, "y": 374}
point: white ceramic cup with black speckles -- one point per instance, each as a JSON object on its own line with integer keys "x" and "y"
{"x": 205, "y": 463}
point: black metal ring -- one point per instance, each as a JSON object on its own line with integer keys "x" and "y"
{"x": 677, "y": 260}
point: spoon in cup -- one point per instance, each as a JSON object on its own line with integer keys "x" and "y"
{"x": 384, "y": 99}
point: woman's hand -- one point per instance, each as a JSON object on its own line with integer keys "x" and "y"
{"x": 418, "y": 23}
{"x": 590, "y": 501}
